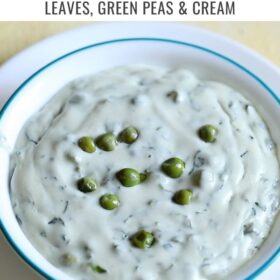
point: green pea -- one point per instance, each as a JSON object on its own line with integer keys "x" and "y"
{"x": 208, "y": 133}
{"x": 129, "y": 135}
{"x": 173, "y": 167}
{"x": 143, "y": 239}
{"x": 182, "y": 197}
{"x": 87, "y": 184}
{"x": 68, "y": 259}
{"x": 109, "y": 201}
{"x": 106, "y": 142}
{"x": 87, "y": 144}
{"x": 128, "y": 177}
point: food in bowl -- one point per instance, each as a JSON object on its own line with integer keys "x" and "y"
{"x": 146, "y": 173}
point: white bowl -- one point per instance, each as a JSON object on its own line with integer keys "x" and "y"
{"x": 200, "y": 51}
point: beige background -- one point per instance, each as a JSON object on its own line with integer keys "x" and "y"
{"x": 15, "y": 36}
{"x": 264, "y": 37}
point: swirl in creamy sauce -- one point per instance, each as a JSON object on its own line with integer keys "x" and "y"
{"x": 232, "y": 209}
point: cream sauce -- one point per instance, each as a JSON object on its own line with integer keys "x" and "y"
{"x": 232, "y": 209}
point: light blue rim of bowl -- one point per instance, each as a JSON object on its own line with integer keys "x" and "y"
{"x": 163, "y": 40}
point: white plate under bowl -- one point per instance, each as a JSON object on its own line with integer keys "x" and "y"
{"x": 167, "y": 45}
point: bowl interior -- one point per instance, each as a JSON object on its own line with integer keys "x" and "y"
{"x": 44, "y": 84}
